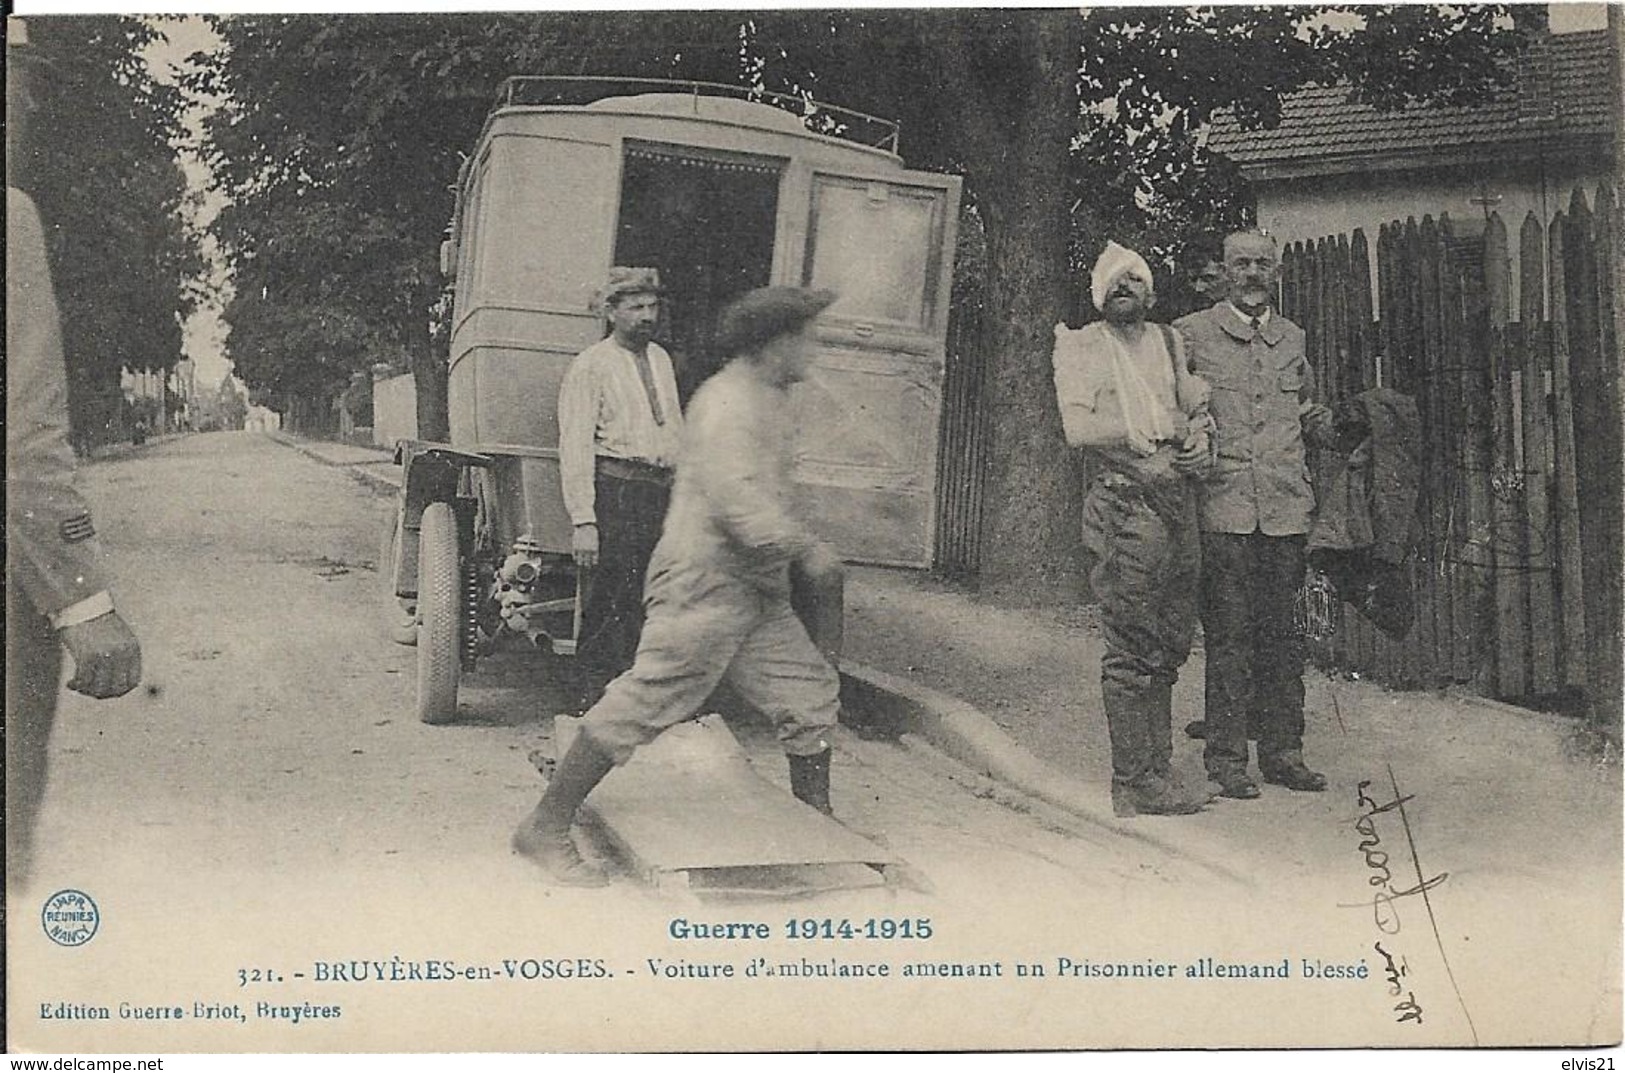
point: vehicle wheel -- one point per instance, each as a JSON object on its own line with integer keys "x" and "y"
{"x": 440, "y": 604}
{"x": 400, "y": 616}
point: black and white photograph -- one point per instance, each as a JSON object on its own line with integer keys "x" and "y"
{"x": 814, "y": 530}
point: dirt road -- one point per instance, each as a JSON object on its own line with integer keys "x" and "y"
{"x": 266, "y": 826}
{"x": 269, "y": 797}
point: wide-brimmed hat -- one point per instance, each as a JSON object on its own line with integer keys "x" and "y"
{"x": 624, "y": 281}
{"x": 767, "y": 313}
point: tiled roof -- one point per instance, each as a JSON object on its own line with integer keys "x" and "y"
{"x": 1561, "y": 90}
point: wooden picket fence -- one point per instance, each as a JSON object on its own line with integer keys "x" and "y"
{"x": 1518, "y": 559}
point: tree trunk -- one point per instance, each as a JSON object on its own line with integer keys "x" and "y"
{"x": 1030, "y": 523}
{"x": 429, "y": 369}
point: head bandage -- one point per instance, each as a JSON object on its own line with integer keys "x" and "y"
{"x": 1113, "y": 262}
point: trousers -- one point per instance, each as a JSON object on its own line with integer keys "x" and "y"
{"x": 706, "y": 626}
{"x": 1146, "y": 579}
{"x": 630, "y": 514}
{"x": 1255, "y": 649}
{"x": 33, "y": 679}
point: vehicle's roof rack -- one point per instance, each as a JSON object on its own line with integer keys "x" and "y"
{"x": 580, "y": 90}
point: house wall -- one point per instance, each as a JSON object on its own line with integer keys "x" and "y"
{"x": 1309, "y": 208}
{"x": 394, "y": 410}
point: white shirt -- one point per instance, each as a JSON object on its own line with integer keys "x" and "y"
{"x": 604, "y": 410}
{"x": 1263, "y": 318}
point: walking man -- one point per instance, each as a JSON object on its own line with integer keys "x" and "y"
{"x": 1254, "y": 518}
{"x": 56, "y": 586}
{"x": 719, "y": 584}
{"x": 1127, "y": 397}
{"x": 620, "y": 428}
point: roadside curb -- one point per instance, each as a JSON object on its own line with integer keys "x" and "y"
{"x": 966, "y": 734}
{"x": 377, "y": 481}
{"x": 112, "y": 452}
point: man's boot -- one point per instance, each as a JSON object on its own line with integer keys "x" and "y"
{"x": 1287, "y": 769}
{"x": 809, "y": 780}
{"x": 1153, "y": 795}
{"x": 544, "y": 835}
{"x": 1143, "y": 782}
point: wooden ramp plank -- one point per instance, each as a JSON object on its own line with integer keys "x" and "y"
{"x": 689, "y": 800}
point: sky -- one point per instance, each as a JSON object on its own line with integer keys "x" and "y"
{"x": 203, "y": 337}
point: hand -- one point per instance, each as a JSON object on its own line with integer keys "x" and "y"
{"x": 584, "y": 546}
{"x": 1157, "y": 466}
{"x": 822, "y": 564}
{"x": 1194, "y": 454}
{"x": 106, "y": 656}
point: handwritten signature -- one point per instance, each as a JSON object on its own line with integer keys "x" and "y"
{"x": 1383, "y": 911}
{"x": 1385, "y": 895}
{"x": 1408, "y": 1009}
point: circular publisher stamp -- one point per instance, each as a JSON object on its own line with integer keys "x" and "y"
{"x": 70, "y": 918}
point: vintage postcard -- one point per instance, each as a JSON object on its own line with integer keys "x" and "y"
{"x": 797, "y": 530}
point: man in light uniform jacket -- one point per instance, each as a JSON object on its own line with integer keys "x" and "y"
{"x": 719, "y": 584}
{"x": 56, "y": 586}
{"x": 1256, "y": 508}
{"x": 620, "y": 429}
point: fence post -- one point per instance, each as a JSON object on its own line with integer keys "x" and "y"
{"x": 1535, "y": 338}
{"x": 1497, "y": 270}
{"x": 1467, "y": 346}
{"x": 1509, "y": 548}
{"x": 1571, "y": 591}
{"x": 1597, "y": 455}
{"x": 1391, "y": 367}
{"x": 1420, "y": 294}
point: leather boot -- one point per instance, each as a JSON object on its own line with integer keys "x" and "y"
{"x": 1153, "y": 795}
{"x": 809, "y": 780}
{"x": 544, "y": 835}
{"x": 1288, "y": 769}
{"x": 1132, "y": 754}
{"x": 1159, "y": 720}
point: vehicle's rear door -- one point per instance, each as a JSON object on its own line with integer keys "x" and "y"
{"x": 870, "y": 409}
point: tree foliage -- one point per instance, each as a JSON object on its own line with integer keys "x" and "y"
{"x": 98, "y": 160}
{"x": 338, "y": 145}
{"x": 1074, "y": 128}
{"x": 341, "y": 141}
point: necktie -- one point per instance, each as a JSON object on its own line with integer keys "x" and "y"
{"x": 646, "y": 374}
{"x": 1257, "y": 324}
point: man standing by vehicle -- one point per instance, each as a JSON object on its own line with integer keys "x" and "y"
{"x": 719, "y": 584}
{"x": 1126, "y": 396}
{"x": 1255, "y": 518}
{"x": 620, "y": 426}
{"x": 56, "y": 589}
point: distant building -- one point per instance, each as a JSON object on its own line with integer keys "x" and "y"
{"x": 1332, "y": 166}
{"x": 260, "y": 419}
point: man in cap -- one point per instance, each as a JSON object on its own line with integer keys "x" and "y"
{"x": 1126, "y": 397}
{"x": 1254, "y": 519}
{"x": 620, "y": 427}
{"x": 56, "y": 586}
{"x": 718, "y": 596}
